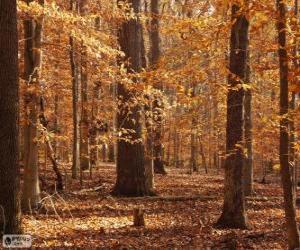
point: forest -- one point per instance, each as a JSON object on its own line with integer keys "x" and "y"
{"x": 149, "y": 124}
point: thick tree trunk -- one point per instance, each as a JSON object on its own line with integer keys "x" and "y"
{"x": 233, "y": 214}
{"x": 134, "y": 177}
{"x": 32, "y": 70}
{"x": 286, "y": 176}
{"x": 9, "y": 120}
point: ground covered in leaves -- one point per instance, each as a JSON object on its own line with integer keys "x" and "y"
{"x": 91, "y": 218}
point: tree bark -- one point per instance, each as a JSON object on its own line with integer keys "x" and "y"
{"x": 285, "y": 168}
{"x": 9, "y": 120}
{"x": 204, "y": 165}
{"x": 95, "y": 110}
{"x": 75, "y": 94}
{"x": 158, "y": 163}
{"x": 194, "y": 153}
{"x": 293, "y": 105}
{"x": 134, "y": 177}
{"x": 233, "y": 214}
{"x": 32, "y": 70}
{"x": 84, "y": 124}
{"x": 93, "y": 129}
{"x": 248, "y": 160}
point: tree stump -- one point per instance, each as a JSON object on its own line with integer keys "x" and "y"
{"x": 138, "y": 217}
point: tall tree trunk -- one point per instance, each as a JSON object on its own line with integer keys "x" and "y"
{"x": 194, "y": 165}
{"x": 9, "y": 120}
{"x": 293, "y": 104}
{"x": 158, "y": 162}
{"x": 248, "y": 159}
{"x": 233, "y": 214}
{"x": 134, "y": 177}
{"x": 32, "y": 70}
{"x": 93, "y": 132}
{"x": 93, "y": 128}
{"x": 75, "y": 95}
{"x": 209, "y": 125}
{"x": 285, "y": 168}
{"x": 84, "y": 124}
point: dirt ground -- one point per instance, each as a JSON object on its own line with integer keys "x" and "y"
{"x": 90, "y": 218}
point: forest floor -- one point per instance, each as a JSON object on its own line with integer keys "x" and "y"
{"x": 90, "y": 218}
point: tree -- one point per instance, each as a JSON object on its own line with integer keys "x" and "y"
{"x": 84, "y": 124}
{"x": 233, "y": 214}
{"x": 32, "y": 68}
{"x": 285, "y": 168}
{"x": 158, "y": 162}
{"x": 93, "y": 131}
{"x": 194, "y": 153}
{"x": 248, "y": 161}
{"x": 293, "y": 103}
{"x": 9, "y": 118}
{"x": 134, "y": 177}
{"x": 75, "y": 100}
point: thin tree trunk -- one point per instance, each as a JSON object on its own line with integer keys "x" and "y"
{"x": 158, "y": 162}
{"x": 93, "y": 129}
{"x": 75, "y": 94}
{"x": 168, "y": 157}
{"x": 175, "y": 146}
{"x": 285, "y": 168}
{"x": 204, "y": 164}
{"x": 9, "y": 120}
{"x": 51, "y": 152}
{"x": 95, "y": 110}
{"x": 248, "y": 159}
{"x": 209, "y": 132}
{"x": 149, "y": 145}
{"x": 56, "y": 125}
{"x": 84, "y": 124}
{"x": 293, "y": 104}
{"x": 32, "y": 70}
{"x": 233, "y": 214}
{"x": 193, "y": 161}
